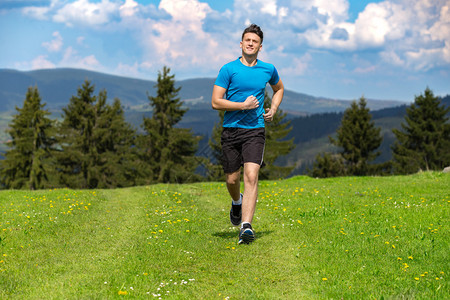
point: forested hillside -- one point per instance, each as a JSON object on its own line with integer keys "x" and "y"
{"x": 311, "y": 133}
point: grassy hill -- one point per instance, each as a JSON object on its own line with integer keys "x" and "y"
{"x": 338, "y": 238}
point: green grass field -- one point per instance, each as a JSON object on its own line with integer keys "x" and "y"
{"x": 350, "y": 238}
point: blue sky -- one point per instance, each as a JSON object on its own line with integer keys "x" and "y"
{"x": 341, "y": 49}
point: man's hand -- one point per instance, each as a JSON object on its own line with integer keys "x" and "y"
{"x": 268, "y": 116}
{"x": 250, "y": 103}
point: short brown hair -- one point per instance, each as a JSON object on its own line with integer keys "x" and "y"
{"x": 254, "y": 29}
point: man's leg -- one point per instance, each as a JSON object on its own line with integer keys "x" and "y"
{"x": 234, "y": 186}
{"x": 251, "y": 171}
{"x": 246, "y": 235}
{"x": 233, "y": 181}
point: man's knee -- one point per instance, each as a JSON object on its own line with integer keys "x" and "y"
{"x": 251, "y": 179}
{"x": 251, "y": 174}
{"x": 233, "y": 178}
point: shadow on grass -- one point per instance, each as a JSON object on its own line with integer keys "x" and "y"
{"x": 235, "y": 233}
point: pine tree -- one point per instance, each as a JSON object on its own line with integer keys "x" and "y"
{"x": 328, "y": 165}
{"x": 96, "y": 142}
{"x": 76, "y": 139}
{"x": 117, "y": 164}
{"x": 170, "y": 151}
{"x": 424, "y": 141}
{"x": 27, "y": 163}
{"x": 359, "y": 138}
{"x": 276, "y": 144}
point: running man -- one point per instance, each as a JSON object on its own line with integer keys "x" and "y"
{"x": 239, "y": 91}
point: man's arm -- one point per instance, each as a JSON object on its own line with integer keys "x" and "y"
{"x": 220, "y": 103}
{"x": 278, "y": 92}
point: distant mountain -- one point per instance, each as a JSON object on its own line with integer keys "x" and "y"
{"x": 56, "y": 86}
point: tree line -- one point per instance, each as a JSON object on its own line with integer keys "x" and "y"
{"x": 422, "y": 143}
{"x": 94, "y": 147}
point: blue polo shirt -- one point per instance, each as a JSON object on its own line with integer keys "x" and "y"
{"x": 242, "y": 81}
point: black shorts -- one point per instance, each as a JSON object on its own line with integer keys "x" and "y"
{"x": 240, "y": 146}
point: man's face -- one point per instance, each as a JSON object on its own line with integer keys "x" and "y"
{"x": 251, "y": 43}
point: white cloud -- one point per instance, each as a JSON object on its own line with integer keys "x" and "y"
{"x": 392, "y": 57}
{"x": 89, "y": 62}
{"x": 423, "y": 59}
{"x": 404, "y": 32}
{"x": 41, "y": 62}
{"x": 54, "y": 45}
{"x": 86, "y": 13}
{"x": 374, "y": 24}
{"x": 128, "y": 70}
{"x": 188, "y": 34}
{"x": 335, "y": 10}
{"x": 373, "y": 27}
{"x": 269, "y": 7}
{"x": 180, "y": 41}
{"x": 72, "y": 59}
{"x": 425, "y": 43}
{"x": 441, "y": 29}
{"x": 129, "y": 8}
{"x": 191, "y": 11}
{"x": 298, "y": 66}
{"x": 411, "y": 34}
{"x": 39, "y": 13}
{"x": 364, "y": 70}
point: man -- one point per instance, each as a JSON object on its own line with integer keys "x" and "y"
{"x": 239, "y": 91}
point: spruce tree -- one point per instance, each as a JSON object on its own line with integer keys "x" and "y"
{"x": 27, "y": 162}
{"x": 276, "y": 144}
{"x": 328, "y": 165}
{"x": 358, "y": 139}
{"x": 169, "y": 151}
{"x": 117, "y": 164}
{"x": 76, "y": 139}
{"x": 96, "y": 142}
{"x": 424, "y": 141}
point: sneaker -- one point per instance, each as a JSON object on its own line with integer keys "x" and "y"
{"x": 246, "y": 236}
{"x": 236, "y": 214}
